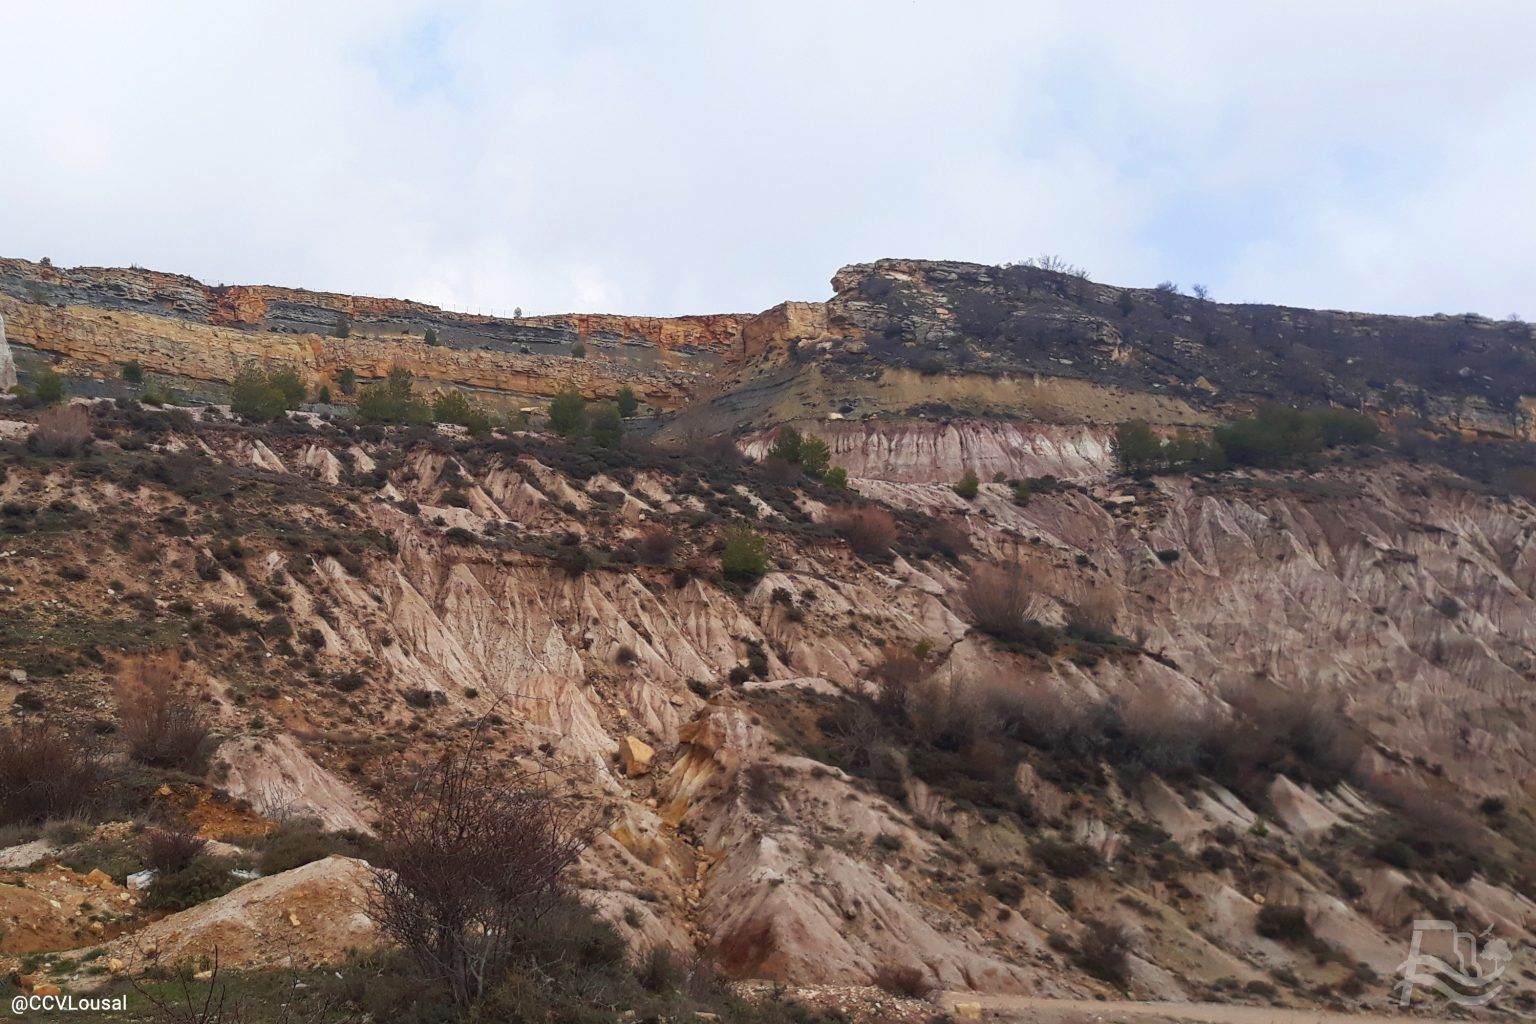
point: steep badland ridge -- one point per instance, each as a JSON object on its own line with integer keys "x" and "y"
{"x": 340, "y": 598}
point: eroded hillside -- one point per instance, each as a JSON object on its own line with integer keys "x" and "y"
{"x": 1219, "y": 735}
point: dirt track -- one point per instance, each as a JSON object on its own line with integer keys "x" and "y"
{"x": 1084, "y": 1011}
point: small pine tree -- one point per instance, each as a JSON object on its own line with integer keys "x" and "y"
{"x": 133, "y": 373}
{"x": 787, "y": 445}
{"x": 1125, "y": 303}
{"x": 324, "y": 397}
{"x": 451, "y": 407}
{"x": 836, "y": 478}
{"x": 744, "y": 556}
{"x": 568, "y": 413}
{"x": 606, "y": 426}
{"x": 49, "y": 387}
{"x": 579, "y": 350}
{"x": 815, "y": 456}
{"x": 343, "y": 327}
{"x": 627, "y": 402}
{"x": 969, "y": 485}
{"x": 347, "y": 380}
{"x": 1136, "y": 447}
{"x": 431, "y": 336}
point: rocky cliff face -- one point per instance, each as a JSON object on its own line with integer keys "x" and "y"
{"x": 1022, "y": 318}
{"x": 96, "y": 318}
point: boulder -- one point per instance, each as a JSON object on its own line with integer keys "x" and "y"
{"x": 636, "y": 755}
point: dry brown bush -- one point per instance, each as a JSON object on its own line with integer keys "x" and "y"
{"x": 657, "y": 545}
{"x": 162, "y": 721}
{"x": 471, "y": 858}
{"x": 1002, "y": 601}
{"x": 904, "y": 980}
{"x": 171, "y": 850}
{"x": 46, "y": 773}
{"x": 1167, "y": 735}
{"x": 1104, "y": 952}
{"x": 869, "y": 531}
{"x": 61, "y": 430}
{"x": 899, "y": 670}
{"x": 1302, "y": 732}
{"x": 1092, "y": 616}
{"x": 1429, "y": 815}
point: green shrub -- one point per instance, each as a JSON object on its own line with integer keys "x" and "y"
{"x": 49, "y": 387}
{"x": 1283, "y": 923}
{"x": 295, "y": 844}
{"x": 393, "y": 400}
{"x": 969, "y": 485}
{"x": 204, "y": 879}
{"x": 346, "y": 380}
{"x": 133, "y": 373}
{"x": 265, "y": 393}
{"x": 836, "y": 478}
{"x": 1064, "y": 858}
{"x": 744, "y": 556}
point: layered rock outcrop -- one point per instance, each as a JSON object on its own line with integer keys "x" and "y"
{"x": 95, "y": 318}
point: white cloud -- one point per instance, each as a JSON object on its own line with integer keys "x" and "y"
{"x": 701, "y": 156}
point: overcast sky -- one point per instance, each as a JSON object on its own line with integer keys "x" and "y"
{"x": 669, "y": 157}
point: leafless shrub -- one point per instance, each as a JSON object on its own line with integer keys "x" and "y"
{"x": 46, "y": 773}
{"x": 896, "y": 675}
{"x": 904, "y": 980}
{"x": 869, "y": 531}
{"x": 470, "y": 858}
{"x": 1104, "y": 952}
{"x": 1167, "y": 735}
{"x": 1092, "y": 616}
{"x": 162, "y": 722}
{"x": 860, "y": 735}
{"x": 1033, "y": 710}
{"x": 1002, "y": 600}
{"x": 172, "y": 850}
{"x": 1302, "y": 732}
{"x": 947, "y": 537}
{"x": 1429, "y": 815}
{"x": 61, "y": 430}
{"x": 657, "y": 545}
